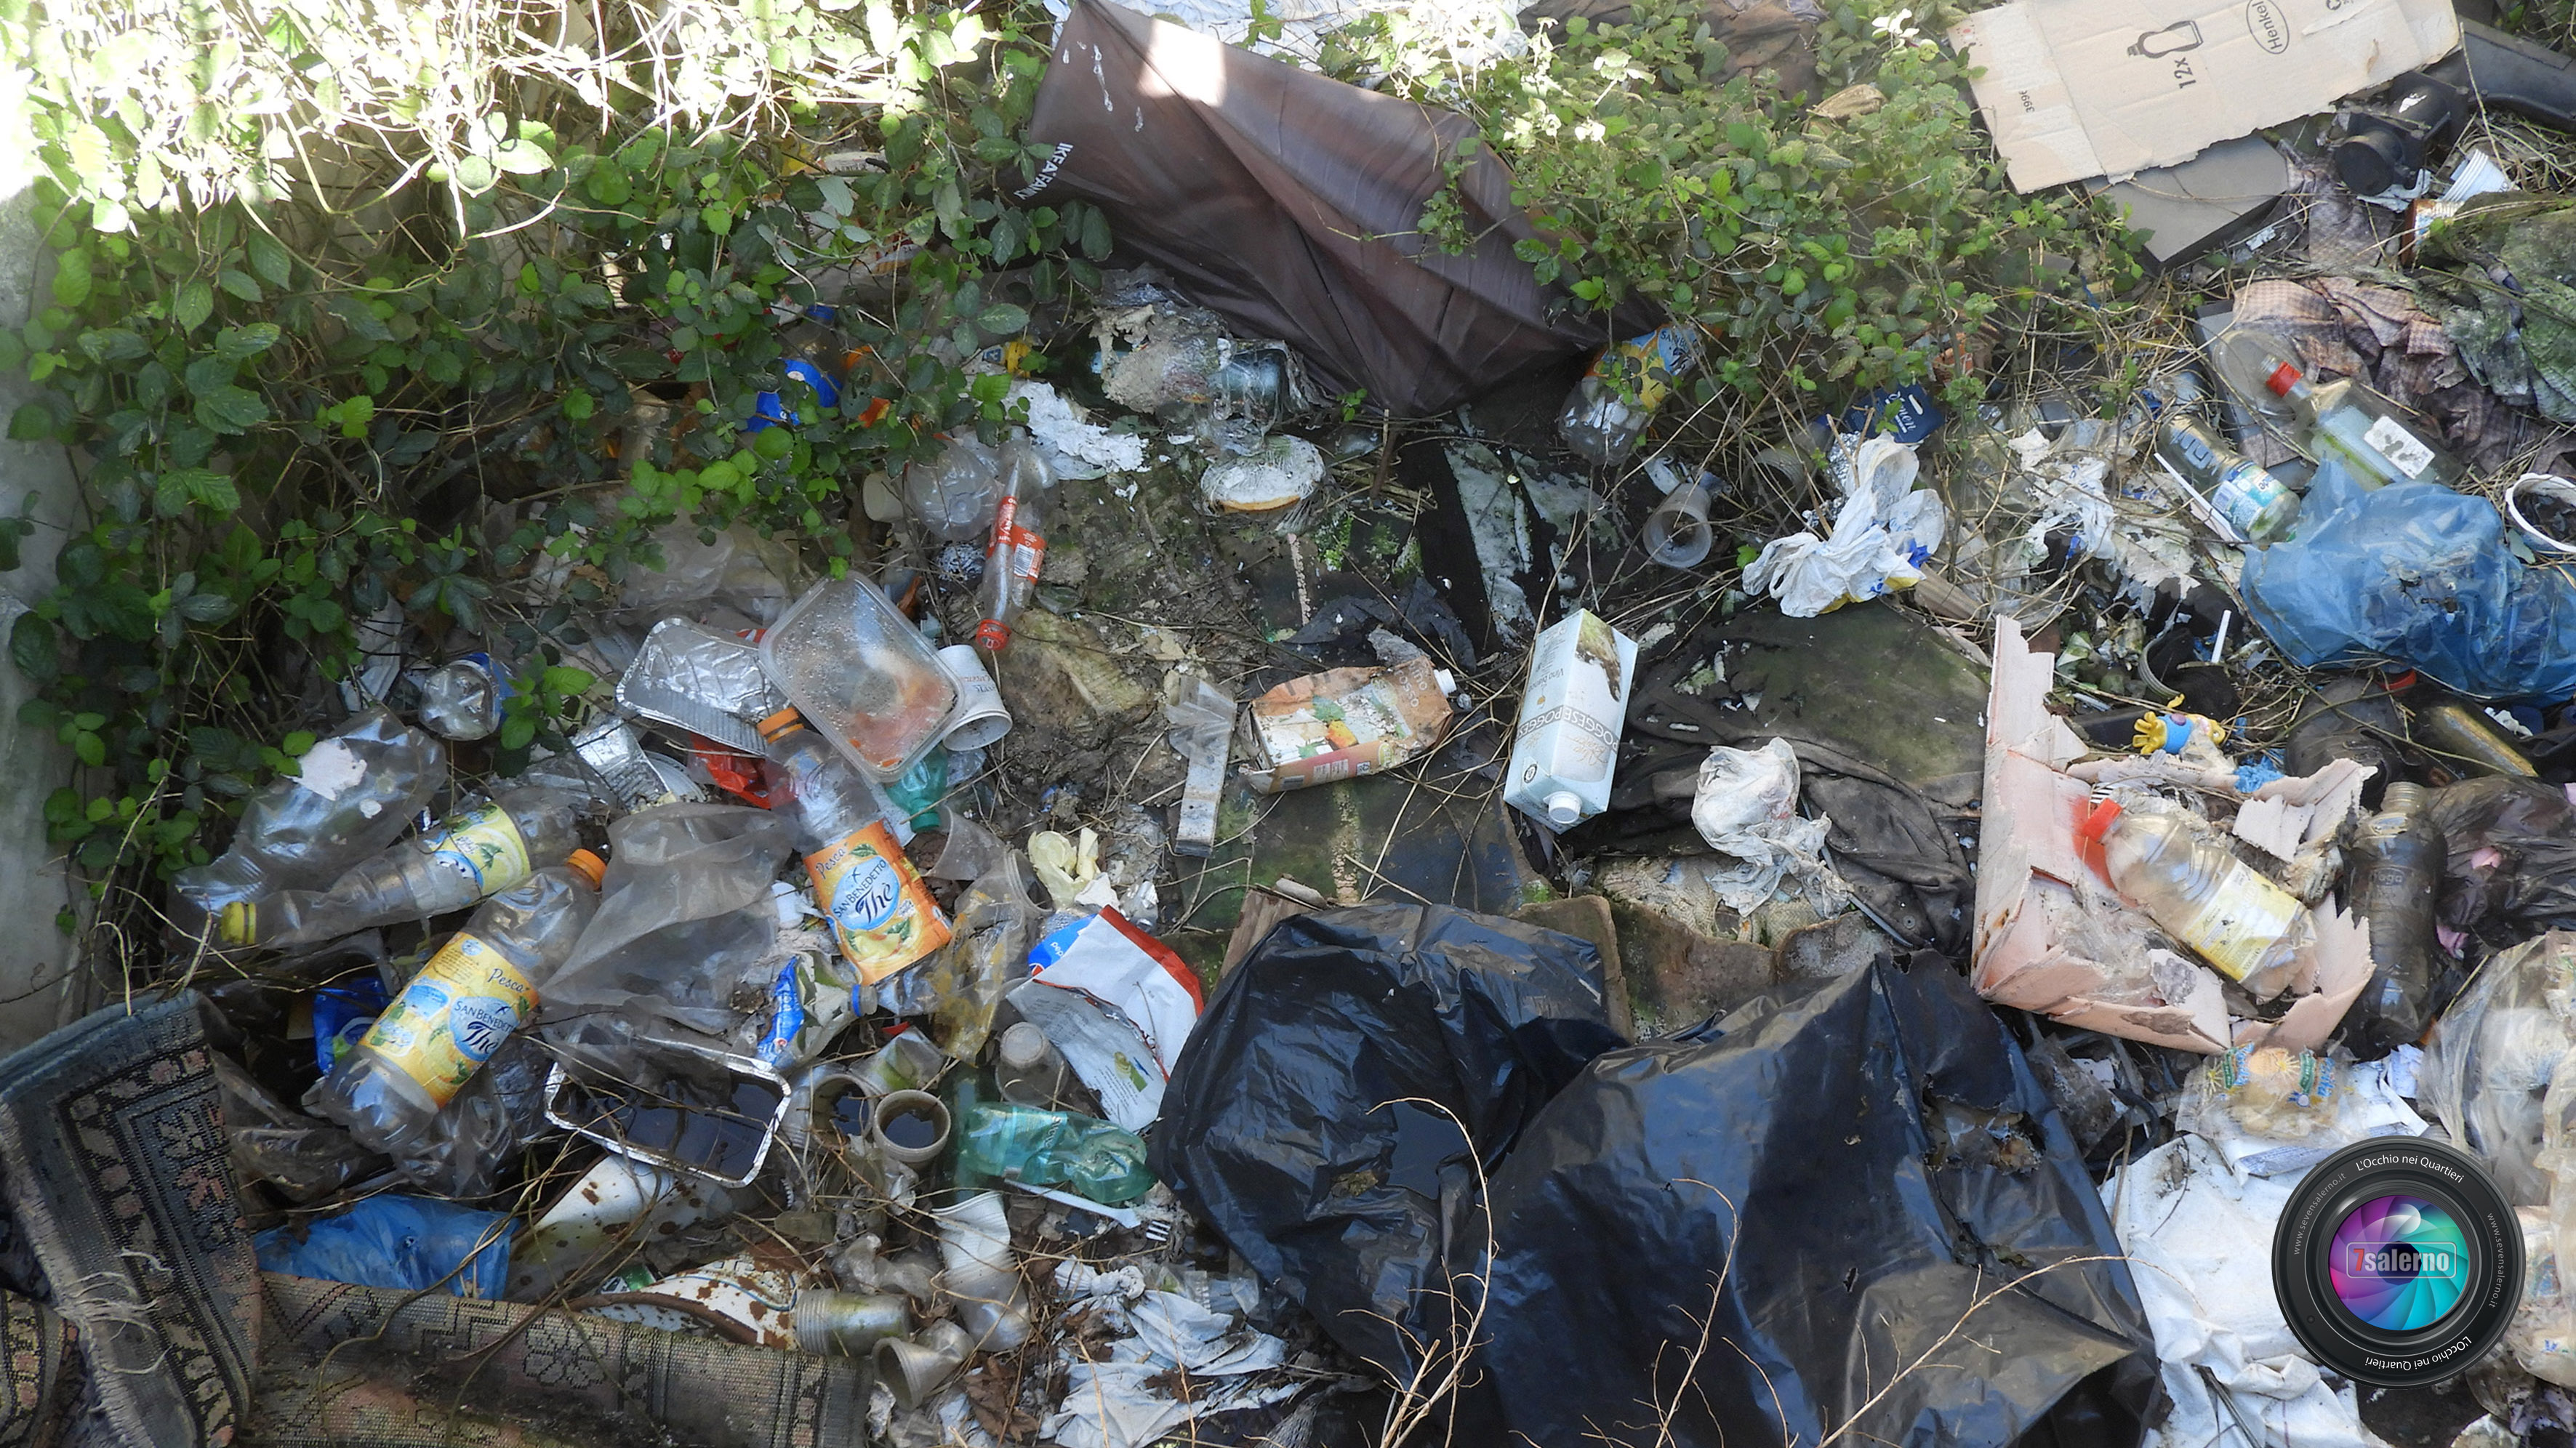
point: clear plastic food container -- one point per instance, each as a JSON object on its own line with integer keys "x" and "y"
{"x": 859, "y": 672}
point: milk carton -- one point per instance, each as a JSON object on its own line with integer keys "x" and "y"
{"x": 1582, "y": 672}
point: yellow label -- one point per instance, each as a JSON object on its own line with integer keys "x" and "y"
{"x": 453, "y": 1016}
{"x": 2244, "y": 917}
{"x": 881, "y": 913}
{"x": 484, "y": 845}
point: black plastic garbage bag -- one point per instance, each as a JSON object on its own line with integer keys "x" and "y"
{"x": 1280, "y": 1126}
{"x": 1847, "y": 1212}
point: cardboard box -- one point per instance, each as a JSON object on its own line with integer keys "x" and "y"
{"x": 2028, "y": 869}
{"x": 2074, "y": 89}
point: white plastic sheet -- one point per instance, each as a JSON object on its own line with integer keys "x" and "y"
{"x": 2199, "y": 1240}
{"x": 1882, "y": 533}
{"x": 1747, "y": 808}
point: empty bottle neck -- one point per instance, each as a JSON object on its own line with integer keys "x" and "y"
{"x": 2402, "y": 798}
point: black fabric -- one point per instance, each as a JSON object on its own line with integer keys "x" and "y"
{"x": 1291, "y": 205}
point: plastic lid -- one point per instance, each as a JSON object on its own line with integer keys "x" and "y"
{"x": 779, "y": 723}
{"x": 2283, "y": 378}
{"x": 1564, "y": 808}
{"x": 236, "y": 922}
{"x": 587, "y": 865}
{"x": 2098, "y": 822}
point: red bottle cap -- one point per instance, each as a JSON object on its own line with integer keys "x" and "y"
{"x": 993, "y": 635}
{"x": 2098, "y": 822}
{"x": 2283, "y": 378}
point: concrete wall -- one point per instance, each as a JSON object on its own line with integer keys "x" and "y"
{"x": 38, "y": 988}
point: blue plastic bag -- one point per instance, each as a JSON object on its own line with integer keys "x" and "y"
{"x": 2417, "y": 575}
{"x": 404, "y": 1243}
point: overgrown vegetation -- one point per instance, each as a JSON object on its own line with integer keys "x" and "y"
{"x": 1868, "y": 244}
{"x": 334, "y": 278}
{"x": 374, "y": 312}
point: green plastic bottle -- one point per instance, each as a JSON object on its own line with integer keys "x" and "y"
{"x": 1082, "y": 1154}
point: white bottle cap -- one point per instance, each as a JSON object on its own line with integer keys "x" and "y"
{"x": 1564, "y": 807}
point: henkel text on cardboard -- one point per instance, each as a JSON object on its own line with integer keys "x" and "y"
{"x": 2074, "y": 89}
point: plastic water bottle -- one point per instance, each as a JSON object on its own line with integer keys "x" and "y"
{"x": 483, "y": 851}
{"x": 1609, "y": 409}
{"x": 1053, "y": 1149}
{"x": 882, "y": 914}
{"x": 2237, "y": 489}
{"x": 2199, "y": 893}
{"x": 355, "y": 794}
{"x": 461, "y": 700}
{"x": 479, "y": 988}
{"x": 1018, "y": 550}
{"x": 2397, "y": 863}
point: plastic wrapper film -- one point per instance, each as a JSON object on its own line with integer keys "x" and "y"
{"x": 1290, "y": 204}
{"x": 2492, "y": 1069}
{"x": 1344, "y": 723}
{"x": 1676, "y": 1194}
{"x": 740, "y": 573}
{"x": 2419, "y": 575}
{"x": 2511, "y": 866}
{"x": 1283, "y": 1124}
{"x": 700, "y": 680}
{"x": 304, "y": 1157}
{"x": 959, "y": 987}
{"x": 410, "y": 1244}
{"x": 1747, "y": 809}
{"x": 684, "y": 921}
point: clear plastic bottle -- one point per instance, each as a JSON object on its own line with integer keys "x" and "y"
{"x": 2198, "y": 892}
{"x": 355, "y": 794}
{"x": 461, "y": 700}
{"x": 1054, "y": 1149}
{"x": 2396, "y": 880}
{"x": 1609, "y": 409}
{"x": 882, "y": 914}
{"x": 480, "y": 987}
{"x": 2239, "y": 490}
{"x": 1029, "y": 1070}
{"x": 2342, "y": 418}
{"x": 480, "y": 852}
{"x": 1018, "y": 549}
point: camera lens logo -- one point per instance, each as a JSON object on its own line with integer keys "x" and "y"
{"x": 2399, "y": 1263}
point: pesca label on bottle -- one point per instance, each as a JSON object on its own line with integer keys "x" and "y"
{"x": 2404, "y": 450}
{"x": 483, "y": 845}
{"x": 2243, "y": 492}
{"x": 453, "y": 1016}
{"x": 2242, "y": 919}
{"x": 1651, "y": 362}
{"x": 881, "y": 912}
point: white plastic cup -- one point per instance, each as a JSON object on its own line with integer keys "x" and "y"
{"x": 979, "y": 718}
{"x": 1677, "y": 532}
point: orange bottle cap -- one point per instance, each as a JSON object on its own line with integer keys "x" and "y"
{"x": 780, "y": 722}
{"x": 2098, "y": 822}
{"x": 587, "y": 865}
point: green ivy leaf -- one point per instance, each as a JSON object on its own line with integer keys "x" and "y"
{"x": 35, "y": 648}
{"x": 297, "y": 744}
{"x": 476, "y": 175}
{"x": 236, "y": 344}
{"x": 32, "y": 422}
{"x": 91, "y": 749}
{"x": 72, "y": 281}
{"x": 609, "y": 185}
{"x": 238, "y": 283}
{"x": 195, "y": 304}
{"x": 523, "y": 158}
{"x": 1095, "y": 234}
{"x": 564, "y": 681}
{"x": 114, "y": 344}
{"x": 269, "y": 258}
{"x": 518, "y": 732}
{"x": 231, "y": 411}
{"x": 1004, "y": 317}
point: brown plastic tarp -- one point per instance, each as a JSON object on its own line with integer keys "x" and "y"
{"x": 1289, "y": 204}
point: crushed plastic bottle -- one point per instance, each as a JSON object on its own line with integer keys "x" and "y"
{"x": 481, "y": 851}
{"x": 882, "y": 914}
{"x": 462, "y": 699}
{"x": 2239, "y": 492}
{"x": 1609, "y": 409}
{"x": 2198, "y": 891}
{"x": 1053, "y": 1149}
{"x": 1016, "y": 553}
{"x": 2396, "y": 872}
{"x": 353, "y": 795}
{"x": 480, "y": 987}
{"x": 952, "y": 495}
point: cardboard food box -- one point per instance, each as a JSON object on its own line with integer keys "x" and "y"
{"x": 2074, "y": 89}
